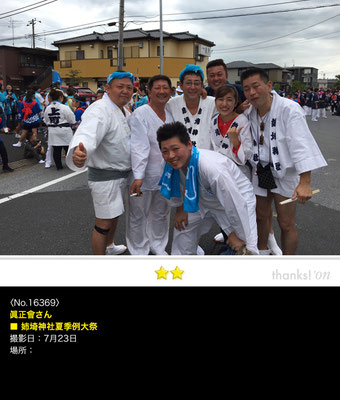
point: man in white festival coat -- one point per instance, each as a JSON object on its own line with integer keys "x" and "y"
{"x": 148, "y": 216}
{"x": 195, "y": 113}
{"x": 282, "y": 141}
{"x": 102, "y": 143}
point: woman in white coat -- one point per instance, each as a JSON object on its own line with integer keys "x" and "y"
{"x": 59, "y": 118}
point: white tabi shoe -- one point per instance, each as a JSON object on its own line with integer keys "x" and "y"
{"x": 17, "y": 144}
{"x": 115, "y": 250}
{"x": 200, "y": 251}
{"x": 273, "y": 246}
{"x": 219, "y": 238}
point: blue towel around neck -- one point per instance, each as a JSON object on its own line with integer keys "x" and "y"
{"x": 170, "y": 183}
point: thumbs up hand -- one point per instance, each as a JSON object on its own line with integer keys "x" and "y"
{"x": 79, "y": 155}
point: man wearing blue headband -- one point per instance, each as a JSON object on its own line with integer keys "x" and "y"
{"x": 195, "y": 113}
{"x": 102, "y": 144}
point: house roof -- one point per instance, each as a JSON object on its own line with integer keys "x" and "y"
{"x": 134, "y": 34}
{"x": 246, "y": 64}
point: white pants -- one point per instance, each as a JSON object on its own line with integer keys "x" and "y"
{"x": 323, "y": 112}
{"x": 49, "y": 155}
{"x": 185, "y": 242}
{"x": 147, "y": 223}
{"x": 315, "y": 114}
{"x": 308, "y": 110}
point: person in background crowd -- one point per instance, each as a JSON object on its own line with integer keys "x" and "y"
{"x": 322, "y": 103}
{"x": 59, "y": 118}
{"x": 33, "y": 148}
{"x": 100, "y": 93}
{"x": 20, "y": 107}
{"x": 31, "y": 116}
{"x": 79, "y": 106}
{"x": 315, "y": 105}
{"x": 10, "y": 104}
{"x": 4, "y": 155}
{"x": 70, "y": 93}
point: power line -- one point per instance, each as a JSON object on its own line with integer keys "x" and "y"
{"x": 281, "y": 44}
{"x": 219, "y": 10}
{"x": 243, "y": 15}
{"x": 21, "y": 8}
{"x": 279, "y": 37}
{"x": 28, "y": 9}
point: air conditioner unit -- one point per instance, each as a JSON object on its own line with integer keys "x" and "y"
{"x": 204, "y": 50}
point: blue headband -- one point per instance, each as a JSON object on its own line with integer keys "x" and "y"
{"x": 120, "y": 75}
{"x": 192, "y": 68}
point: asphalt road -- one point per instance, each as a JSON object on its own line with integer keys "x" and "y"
{"x": 58, "y": 219}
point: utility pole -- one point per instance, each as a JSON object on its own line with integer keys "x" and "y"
{"x": 33, "y": 22}
{"x": 121, "y": 37}
{"x": 161, "y": 38}
{"x": 12, "y": 22}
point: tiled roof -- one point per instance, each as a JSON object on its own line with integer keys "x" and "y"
{"x": 133, "y": 35}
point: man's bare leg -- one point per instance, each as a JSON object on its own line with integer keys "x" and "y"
{"x": 100, "y": 235}
{"x": 110, "y": 236}
{"x": 263, "y": 212}
{"x": 286, "y": 220}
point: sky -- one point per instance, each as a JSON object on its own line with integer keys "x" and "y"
{"x": 308, "y": 37}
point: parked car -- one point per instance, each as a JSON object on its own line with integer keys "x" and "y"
{"x": 87, "y": 93}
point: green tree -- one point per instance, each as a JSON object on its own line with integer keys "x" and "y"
{"x": 297, "y": 86}
{"x": 74, "y": 77}
{"x": 336, "y": 85}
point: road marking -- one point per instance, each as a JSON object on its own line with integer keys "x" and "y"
{"x": 40, "y": 187}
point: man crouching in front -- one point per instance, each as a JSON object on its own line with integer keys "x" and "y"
{"x": 210, "y": 183}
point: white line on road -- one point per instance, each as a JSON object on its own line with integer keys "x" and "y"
{"x": 40, "y": 187}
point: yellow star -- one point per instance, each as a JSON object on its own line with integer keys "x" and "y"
{"x": 162, "y": 273}
{"x": 177, "y": 273}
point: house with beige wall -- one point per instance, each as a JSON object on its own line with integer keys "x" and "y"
{"x": 95, "y": 55}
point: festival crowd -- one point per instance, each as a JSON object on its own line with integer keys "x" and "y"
{"x": 225, "y": 153}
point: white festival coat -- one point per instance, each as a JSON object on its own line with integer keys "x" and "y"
{"x": 105, "y": 133}
{"x": 146, "y": 157}
{"x": 57, "y": 113}
{"x": 292, "y": 147}
{"x": 198, "y": 125}
{"x": 227, "y": 195}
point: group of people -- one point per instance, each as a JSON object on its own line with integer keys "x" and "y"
{"x": 316, "y": 101}
{"x": 224, "y": 153}
{"x": 58, "y": 112}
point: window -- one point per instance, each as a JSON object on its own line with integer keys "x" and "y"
{"x": 101, "y": 53}
{"x": 131, "y": 52}
{"x": 135, "y": 51}
{"x": 66, "y": 64}
{"x": 80, "y": 55}
{"x": 127, "y": 52}
{"x": 75, "y": 55}
{"x": 307, "y": 71}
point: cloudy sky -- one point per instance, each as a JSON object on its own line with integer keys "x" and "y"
{"x": 309, "y": 36}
